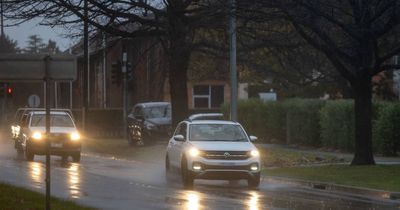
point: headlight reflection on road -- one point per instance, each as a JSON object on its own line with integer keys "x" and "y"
{"x": 193, "y": 201}
{"x": 36, "y": 171}
{"x": 253, "y": 201}
{"x": 74, "y": 181}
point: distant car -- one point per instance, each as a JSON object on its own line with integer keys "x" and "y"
{"x": 201, "y": 148}
{"x": 149, "y": 121}
{"x": 65, "y": 139}
{"x": 20, "y": 122}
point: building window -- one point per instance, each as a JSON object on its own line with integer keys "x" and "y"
{"x": 208, "y": 96}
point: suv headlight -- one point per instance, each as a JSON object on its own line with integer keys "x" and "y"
{"x": 254, "y": 153}
{"x": 194, "y": 152}
{"x": 37, "y": 135}
{"x": 75, "y": 136}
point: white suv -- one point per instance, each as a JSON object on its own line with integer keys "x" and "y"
{"x": 213, "y": 149}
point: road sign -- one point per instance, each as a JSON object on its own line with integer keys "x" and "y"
{"x": 34, "y": 101}
{"x": 39, "y": 67}
{"x": 31, "y": 67}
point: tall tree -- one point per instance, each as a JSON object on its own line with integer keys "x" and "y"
{"x": 35, "y": 44}
{"x": 358, "y": 37}
{"x": 51, "y": 48}
{"x": 173, "y": 22}
{"x": 8, "y": 45}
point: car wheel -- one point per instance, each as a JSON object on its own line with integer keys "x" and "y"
{"x": 187, "y": 177}
{"x": 76, "y": 158}
{"x": 29, "y": 155}
{"x": 254, "y": 182}
{"x": 144, "y": 138}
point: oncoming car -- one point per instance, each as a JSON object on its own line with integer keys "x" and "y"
{"x": 64, "y": 138}
{"x": 212, "y": 149}
{"x": 149, "y": 121}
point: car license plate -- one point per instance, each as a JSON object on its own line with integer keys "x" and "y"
{"x": 228, "y": 164}
{"x": 56, "y": 145}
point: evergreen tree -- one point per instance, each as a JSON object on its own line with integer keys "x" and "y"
{"x": 8, "y": 45}
{"x": 35, "y": 44}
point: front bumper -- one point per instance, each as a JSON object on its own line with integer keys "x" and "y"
{"x": 224, "y": 169}
{"x": 56, "y": 148}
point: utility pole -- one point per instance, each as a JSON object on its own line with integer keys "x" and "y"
{"x": 2, "y": 19}
{"x": 232, "y": 59}
{"x": 47, "y": 99}
{"x": 5, "y": 86}
{"x": 85, "y": 65}
{"x": 125, "y": 92}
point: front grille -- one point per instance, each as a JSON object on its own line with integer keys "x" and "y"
{"x": 226, "y": 155}
{"x": 59, "y": 137}
{"x": 213, "y": 167}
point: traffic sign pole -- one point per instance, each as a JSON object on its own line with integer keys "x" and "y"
{"x": 48, "y": 86}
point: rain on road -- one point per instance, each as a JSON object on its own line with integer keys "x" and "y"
{"x": 108, "y": 183}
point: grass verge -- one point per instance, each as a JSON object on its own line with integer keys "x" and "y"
{"x": 280, "y": 157}
{"x": 383, "y": 177}
{"x": 12, "y": 197}
{"x": 119, "y": 148}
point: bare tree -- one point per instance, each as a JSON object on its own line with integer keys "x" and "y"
{"x": 173, "y": 22}
{"x": 358, "y": 37}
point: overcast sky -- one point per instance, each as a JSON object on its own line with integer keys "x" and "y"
{"x": 22, "y": 32}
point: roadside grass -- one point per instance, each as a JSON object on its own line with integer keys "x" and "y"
{"x": 272, "y": 157}
{"x": 12, "y": 197}
{"x": 119, "y": 148}
{"x": 383, "y": 177}
{"x": 281, "y": 157}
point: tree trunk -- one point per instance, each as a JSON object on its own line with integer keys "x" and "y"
{"x": 178, "y": 64}
{"x": 363, "y": 121}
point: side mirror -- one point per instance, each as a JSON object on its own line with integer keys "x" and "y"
{"x": 253, "y": 138}
{"x": 179, "y": 138}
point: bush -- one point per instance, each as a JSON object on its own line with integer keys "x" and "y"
{"x": 316, "y": 123}
{"x": 302, "y": 117}
{"x": 337, "y": 125}
{"x": 268, "y": 120}
{"x": 263, "y": 119}
{"x": 387, "y": 130}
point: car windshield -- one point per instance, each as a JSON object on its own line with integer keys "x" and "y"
{"x": 216, "y": 132}
{"x": 39, "y": 120}
{"x": 157, "y": 112}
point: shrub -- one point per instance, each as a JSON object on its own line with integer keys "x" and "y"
{"x": 386, "y": 131}
{"x": 302, "y": 117}
{"x": 263, "y": 119}
{"x": 337, "y": 124}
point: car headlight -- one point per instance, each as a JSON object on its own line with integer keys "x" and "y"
{"x": 75, "y": 136}
{"x": 194, "y": 152}
{"x": 254, "y": 153}
{"x": 37, "y": 135}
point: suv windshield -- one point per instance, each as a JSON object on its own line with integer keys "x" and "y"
{"x": 157, "y": 112}
{"x": 216, "y": 132}
{"x": 39, "y": 120}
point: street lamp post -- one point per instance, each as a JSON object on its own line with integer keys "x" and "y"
{"x": 233, "y": 68}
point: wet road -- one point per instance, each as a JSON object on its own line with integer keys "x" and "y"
{"x": 107, "y": 183}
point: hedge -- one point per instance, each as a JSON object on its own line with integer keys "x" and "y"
{"x": 387, "y": 130}
{"x": 316, "y": 123}
{"x": 302, "y": 121}
{"x": 337, "y": 125}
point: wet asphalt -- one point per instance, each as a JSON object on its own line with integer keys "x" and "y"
{"x": 109, "y": 183}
